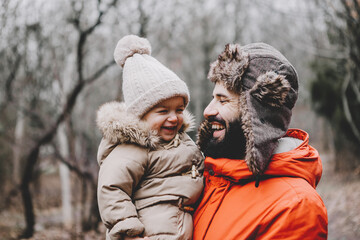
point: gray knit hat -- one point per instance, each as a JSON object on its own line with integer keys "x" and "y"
{"x": 146, "y": 82}
{"x": 267, "y": 85}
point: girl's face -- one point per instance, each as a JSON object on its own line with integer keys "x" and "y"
{"x": 166, "y": 117}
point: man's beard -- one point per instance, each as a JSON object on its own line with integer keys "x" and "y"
{"x": 232, "y": 146}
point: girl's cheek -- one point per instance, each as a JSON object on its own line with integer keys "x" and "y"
{"x": 159, "y": 121}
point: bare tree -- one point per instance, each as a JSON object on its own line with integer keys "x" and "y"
{"x": 32, "y": 157}
{"x": 67, "y": 209}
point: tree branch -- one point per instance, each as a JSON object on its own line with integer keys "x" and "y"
{"x": 72, "y": 167}
{"x": 347, "y": 111}
{"x": 11, "y": 77}
{"x": 83, "y": 36}
{"x": 357, "y": 7}
{"x": 99, "y": 72}
{"x": 356, "y": 90}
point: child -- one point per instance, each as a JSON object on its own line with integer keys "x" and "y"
{"x": 149, "y": 167}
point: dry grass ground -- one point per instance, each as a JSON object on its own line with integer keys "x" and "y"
{"x": 48, "y": 227}
{"x": 341, "y": 195}
{"x": 340, "y": 192}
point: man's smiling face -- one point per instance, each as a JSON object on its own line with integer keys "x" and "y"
{"x": 222, "y": 110}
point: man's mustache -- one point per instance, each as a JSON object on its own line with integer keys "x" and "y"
{"x": 216, "y": 119}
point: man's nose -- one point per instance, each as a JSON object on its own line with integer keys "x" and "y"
{"x": 210, "y": 111}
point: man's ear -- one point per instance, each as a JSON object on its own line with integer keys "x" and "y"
{"x": 271, "y": 89}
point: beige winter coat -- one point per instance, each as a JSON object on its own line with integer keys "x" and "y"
{"x": 144, "y": 185}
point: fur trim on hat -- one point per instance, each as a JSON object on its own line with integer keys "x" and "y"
{"x": 229, "y": 67}
{"x": 271, "y": 88}
{"x": 251, "y": 158}
{"x": 204, "y": 134}
{"x": 128, "y": 46}
{"x": 119, "y": 126}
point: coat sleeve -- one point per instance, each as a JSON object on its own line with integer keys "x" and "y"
{"x": 119, "y": 174}
{"x": 304, "y": 218}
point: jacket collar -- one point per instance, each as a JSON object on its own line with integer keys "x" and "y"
{"x": 119, "y": 126}
{"x": 303, "y": 161}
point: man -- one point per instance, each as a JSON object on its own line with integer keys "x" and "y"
{"x": 260, "y": 176}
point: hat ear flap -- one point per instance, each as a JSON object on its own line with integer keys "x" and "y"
{"x": 271, "y": 89}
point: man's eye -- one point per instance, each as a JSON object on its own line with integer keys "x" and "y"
{"x": 162, "y": 111}
{"x": 180, "y": 110}
{"x": 223, "y": 100}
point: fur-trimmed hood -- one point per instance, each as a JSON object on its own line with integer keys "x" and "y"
{"x": 119, "y": 126}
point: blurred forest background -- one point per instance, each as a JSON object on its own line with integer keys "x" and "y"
{"x": 57, "y": 68}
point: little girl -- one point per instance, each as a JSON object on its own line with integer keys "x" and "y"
{"x": 149, "y": 176}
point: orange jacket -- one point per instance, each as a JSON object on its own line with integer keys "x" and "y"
{"x": 284, "y": 206}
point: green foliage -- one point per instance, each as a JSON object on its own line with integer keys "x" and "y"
{"x": 335, "y": 91}
{"x": 327, "y": 93}
{"x": 325, "y": 88}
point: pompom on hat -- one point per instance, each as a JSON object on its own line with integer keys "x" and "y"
{"x": 146, "y": 82}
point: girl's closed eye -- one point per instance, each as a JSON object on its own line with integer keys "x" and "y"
{"x": 162, "y": 110}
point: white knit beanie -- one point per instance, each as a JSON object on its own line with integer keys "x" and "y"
{"x": 146, "y": 82}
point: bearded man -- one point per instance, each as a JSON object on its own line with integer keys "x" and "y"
{"x": 260, "y": 176}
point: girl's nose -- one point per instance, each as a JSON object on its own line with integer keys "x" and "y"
{"x": 172, "y": 118}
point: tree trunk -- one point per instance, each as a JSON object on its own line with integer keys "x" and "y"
{"x": 19, "y": 134}
{"x": 26, "y": 195}
{"x": 67, "y": 209}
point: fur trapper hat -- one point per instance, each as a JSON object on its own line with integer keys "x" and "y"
{"x": 267, "y": 85}
{"x": 146, "y": 82}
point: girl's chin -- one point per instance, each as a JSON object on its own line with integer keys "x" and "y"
{"x": 167, "y": 137}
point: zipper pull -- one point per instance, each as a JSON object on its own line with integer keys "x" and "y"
{"x": 194, "y": 172}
